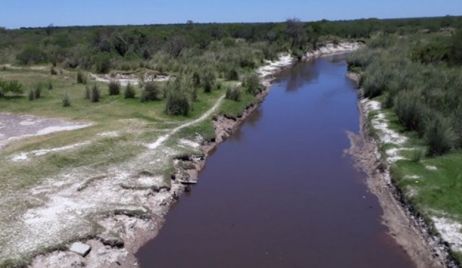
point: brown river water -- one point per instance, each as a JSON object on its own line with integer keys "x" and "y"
{"x": 281, "y": 192}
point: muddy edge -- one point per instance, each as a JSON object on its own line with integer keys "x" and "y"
{"x": 405, "y": 224}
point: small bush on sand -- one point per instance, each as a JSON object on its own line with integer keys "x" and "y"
{"x": 151, "y": 92}
{"x": 95, "y": 94}
{"x": 233, "y": 93}
{"x": 129, "y": 92}
{"x": 114, "y": 88}
{"x": 66, "y": 100}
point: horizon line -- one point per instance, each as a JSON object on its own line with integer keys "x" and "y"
{"x": 230, "y": 22}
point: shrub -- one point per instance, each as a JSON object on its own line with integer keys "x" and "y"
{"x": 103, "y": 63}
{"x": 410, "y": 110}
{"x": 114, "y": 88}
{"x": 31, "y": 55}
{"x": 417, "y": 155}
{"x": 456, "y": 48}
{"x": 95, "y": 94}
{"x": 233, "y": 93}
{"x": 38, "y": 91}
{"x": 13, "y": 87}
{"x": 177, "y": 100}
{"x": 87, "y": 93}
{"x": 251, "y": 84}
{"x": 440, "y": 136}
{"x": 151, "y": 92}
{"x": 374, "y": 83}
{"x": 129, "y": 92}
{"x": 53, "y": 71}
{"x": 50, "y": 85}
{"x": 208, "y": 80}
{"x": 31, "y": 95}
{"x": 196, "y": 79}
{"x": 81, "y": 78}
{"x": 232, "y": 75}
{"x": 66, "y": 100}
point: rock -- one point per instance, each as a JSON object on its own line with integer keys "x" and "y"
{"x": 80, "y": 248}
{"x": 111, "y": 240}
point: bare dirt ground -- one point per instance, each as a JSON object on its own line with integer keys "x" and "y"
{"x": 16, "y": 127}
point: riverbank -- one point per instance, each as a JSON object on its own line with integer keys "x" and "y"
{"x": 406, "y": 224}
{"x": 118, "y": 236}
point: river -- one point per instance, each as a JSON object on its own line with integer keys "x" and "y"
{"x": 281, "y": 192}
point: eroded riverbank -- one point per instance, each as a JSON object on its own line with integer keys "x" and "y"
{"x": 272, "y": 178}
{"x": 130, "y": 221}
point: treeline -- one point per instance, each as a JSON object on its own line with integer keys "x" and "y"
{"x": 423, "y": 89}
{"x": 101, "y": 48}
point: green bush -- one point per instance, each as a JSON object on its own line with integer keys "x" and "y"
{"x": 38, "y": 91}
{"x": 196, "y": 79}
{"x": 53, "y": 71}
{"x": 375, "y": 82}
{"x": 410, "y": 110}
{"x": 87, "y": 93}
{"x": 50, "y": 85}
{"x": 103, "y": 63}
{"x": 114, "y": 88}
{"x": 95, "y": 94}
{"x": 81, "y": 78}
{"x": 440, "y": 136}
{"x": 31, "y": 55}
{"x": 151, "y": 92}
{"x": 31, "y": 95}
{"x": 208, "y": 80}
{"x": 129, "y": 92}
{"x": 66, "y": 100}
{"x": 252, "y": 84}
{"x": 10, "y": 87}
{"x": 455, "y": 55}
{"x": 177, "y": 100}
{"x": 232, "y": 75}
{"x": 233, "y": 93}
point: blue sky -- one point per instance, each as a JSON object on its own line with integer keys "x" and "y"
{"x": 18, "y": 13}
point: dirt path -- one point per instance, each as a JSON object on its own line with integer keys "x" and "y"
{"x": 206, "y": 115}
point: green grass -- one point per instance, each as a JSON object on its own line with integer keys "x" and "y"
{"x": 135, "y": 121}
{"x": 437, "y": 190}
{"x": 434, "y": 192}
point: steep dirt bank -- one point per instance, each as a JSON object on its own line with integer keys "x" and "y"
{"x": 121, "y": 234}
{"x": 405, "y": 225}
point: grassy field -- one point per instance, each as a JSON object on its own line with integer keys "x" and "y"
{"x": 116, "y": 142}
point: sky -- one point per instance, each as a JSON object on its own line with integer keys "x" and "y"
{"x": 35, "y": 13}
